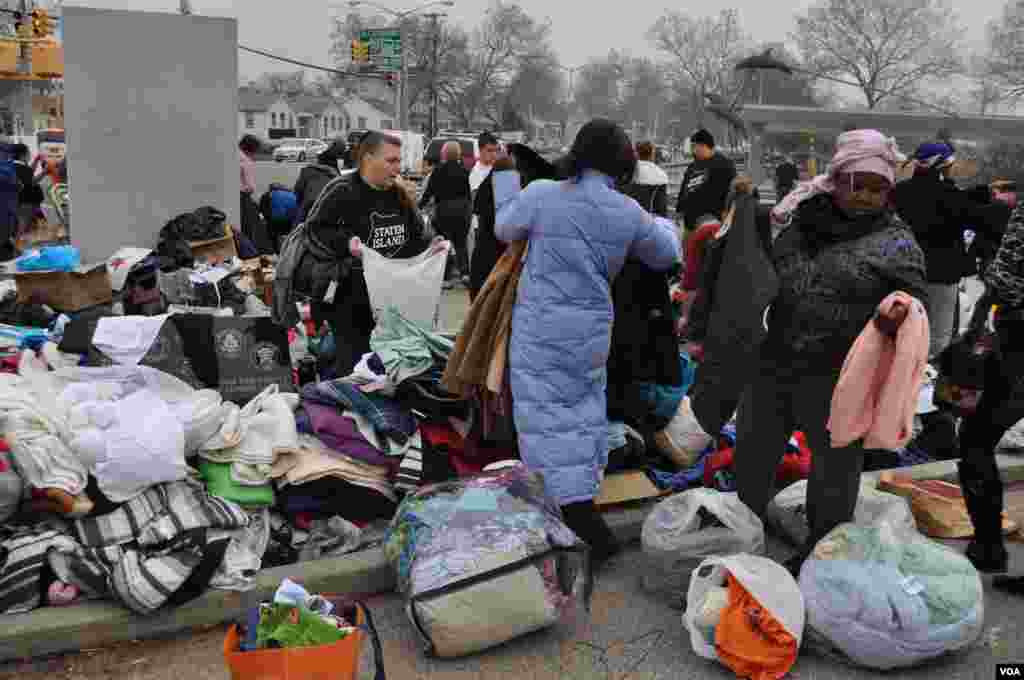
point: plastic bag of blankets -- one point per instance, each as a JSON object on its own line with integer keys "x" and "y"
{"x": 483, "y": 560}
{"x": 886, "y": 597}
{"x": 684, "y": 529}
{"x": 787, "y": 512}
{"x": 746, "y": 612}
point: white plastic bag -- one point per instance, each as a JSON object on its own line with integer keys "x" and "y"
{"x": 683, "y": 439}
{"x": 787, "y": 511}
{"x": 886, "y": 597}
{"x": 767, "y": 581}
{"x": 412, "y": 285}
{"x": 674, "y": 541}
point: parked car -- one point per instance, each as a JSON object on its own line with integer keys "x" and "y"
{"x": 299, "y": 150}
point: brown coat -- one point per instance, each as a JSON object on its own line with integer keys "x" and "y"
{"x": 480, "y": 358}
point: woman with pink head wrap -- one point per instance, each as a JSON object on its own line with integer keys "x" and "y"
{"x": 839, "y": 255}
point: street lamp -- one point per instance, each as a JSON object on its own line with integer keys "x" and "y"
{"x": 400, "y": 17}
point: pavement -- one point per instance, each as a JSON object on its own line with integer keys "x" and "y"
{"x": 628, "y": 635}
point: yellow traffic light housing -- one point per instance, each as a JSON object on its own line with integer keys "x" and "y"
{"x": 42, "y": 23}
{"x": 360, "y": 52}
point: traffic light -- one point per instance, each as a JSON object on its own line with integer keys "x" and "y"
{"x": 42, "y": 23}
{"x": 360, "y": 52}
{"x": 390, "y": 78}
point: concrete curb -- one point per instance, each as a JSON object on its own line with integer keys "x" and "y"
{"x": 54, "y": 630}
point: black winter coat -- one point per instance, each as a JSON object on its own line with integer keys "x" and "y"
{"x": 939, "y": 213}
{"x": 487, "y": 248}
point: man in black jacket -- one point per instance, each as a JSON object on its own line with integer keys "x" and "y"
{"x": 374, "y": 207}
{"x": 706, "y": 182}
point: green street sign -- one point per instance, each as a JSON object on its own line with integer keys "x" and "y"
{"x": 385, "y": 48}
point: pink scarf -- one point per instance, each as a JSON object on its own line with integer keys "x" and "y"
{"x": 856, "y": 151}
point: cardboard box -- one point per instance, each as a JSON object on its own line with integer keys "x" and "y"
{"x": 626, "y": 487}
{"x": 216, "y": 250}
{"x": 73, "y": 291}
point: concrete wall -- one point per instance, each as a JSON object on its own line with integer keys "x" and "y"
{"x": 151, "y": 103}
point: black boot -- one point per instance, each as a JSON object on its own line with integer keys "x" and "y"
{"x": 587, "y": 523}
{"x": 983, "y": 495}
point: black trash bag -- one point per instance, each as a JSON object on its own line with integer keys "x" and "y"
{"x": 173, "y": 249}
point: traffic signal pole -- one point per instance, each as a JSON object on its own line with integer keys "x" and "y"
{"x": 25, "y": 67}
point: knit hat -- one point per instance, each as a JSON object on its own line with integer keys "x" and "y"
{"x": 934, "y": 154}
{"x": 704, "y": 137}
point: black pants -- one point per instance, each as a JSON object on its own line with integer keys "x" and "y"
{"x": 352, "y": 322}
{"x": 452, "y": 222}
{"x": 1002, "y": 403}
{"x": 253, "y": 226}
{"x": 785, "y": 394}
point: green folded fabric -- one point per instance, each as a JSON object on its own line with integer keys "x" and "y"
{"x": 217, "y": 477}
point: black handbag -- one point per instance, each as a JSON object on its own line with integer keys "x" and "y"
{"x": 963, "y": 367}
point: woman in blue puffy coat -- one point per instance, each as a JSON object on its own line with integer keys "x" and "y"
{"x": 580, "y": 232}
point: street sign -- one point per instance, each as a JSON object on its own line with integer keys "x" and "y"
{"x": 385, "y": 48}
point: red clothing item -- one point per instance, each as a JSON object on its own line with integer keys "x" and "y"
{"x": 696, "y": 244}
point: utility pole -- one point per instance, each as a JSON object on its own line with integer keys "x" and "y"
{"x": 25, "y": 64}
{"x": 434, "y": 19}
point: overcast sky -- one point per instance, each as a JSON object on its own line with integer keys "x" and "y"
{"x": 300, "y": 28}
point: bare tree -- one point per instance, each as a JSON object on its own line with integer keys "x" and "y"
{"x": 702, "y": 54}
{"x": 1004, "y": 62}
{"x": 537, "y": 89}
{"x": 507, "y": 38}
{"x": 644, "y": 99}
{"x": 600, "y": 87}
{"x": 887, "y": 47}
{"x": 287, "y": 83}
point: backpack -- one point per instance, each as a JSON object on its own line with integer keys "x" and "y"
{"x": 306, "y": 268}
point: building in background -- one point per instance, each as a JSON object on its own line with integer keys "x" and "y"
{"x": 274, "y": 116}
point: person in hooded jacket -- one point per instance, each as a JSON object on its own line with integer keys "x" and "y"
{"x": 939, "y": 213}
{"x": 706, "y": 181}
{"x": 581, "y": 232}
{"x": 842, "y": 252}
{"x": 650, "y": 185}
{"x": 315, "y": 176}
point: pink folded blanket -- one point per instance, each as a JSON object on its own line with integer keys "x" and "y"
{"x": 877, "y": 393}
